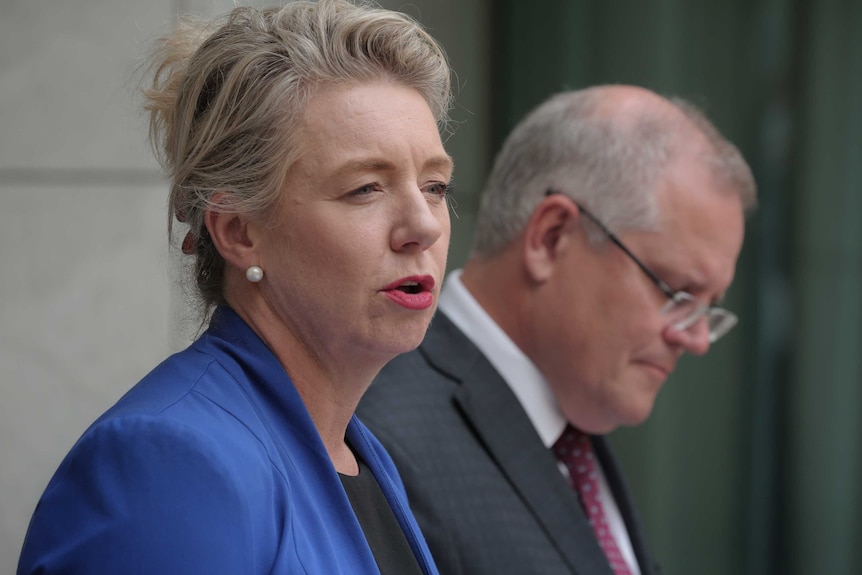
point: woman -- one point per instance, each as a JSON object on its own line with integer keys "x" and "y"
{"x": 305, "y": 157}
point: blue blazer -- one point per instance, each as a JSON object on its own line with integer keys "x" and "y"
{"x": 211, "y": 465}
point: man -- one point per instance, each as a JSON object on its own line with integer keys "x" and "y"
{"x": 607, "y": 236}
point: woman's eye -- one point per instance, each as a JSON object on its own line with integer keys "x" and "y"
{"x": 364, "y": 190}
{"x": 441, "y": 189}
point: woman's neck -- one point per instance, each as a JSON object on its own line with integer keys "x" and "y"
{"x": 330, "y": 387}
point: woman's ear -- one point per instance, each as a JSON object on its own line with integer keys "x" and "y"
{"x": 547, "y": 234}
{"x": 234, "y": 235}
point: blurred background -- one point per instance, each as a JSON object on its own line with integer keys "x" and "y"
{"x": 751, "y": 462}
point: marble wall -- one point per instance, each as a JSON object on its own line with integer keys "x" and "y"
{"x": 85, "y": 291}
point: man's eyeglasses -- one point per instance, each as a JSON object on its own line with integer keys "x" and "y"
{"x": 682, "y": 309}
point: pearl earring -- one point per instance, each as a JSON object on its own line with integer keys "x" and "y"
{"x": 254, "y": 274}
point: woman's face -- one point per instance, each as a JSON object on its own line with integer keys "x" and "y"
{"x": 355, "y": 259}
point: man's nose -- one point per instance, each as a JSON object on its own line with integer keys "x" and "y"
{"x": 694, "y": 339}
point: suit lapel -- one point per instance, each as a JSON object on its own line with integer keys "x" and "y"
{"x": 623, "y": 498}
{"x": 501, "y": 425}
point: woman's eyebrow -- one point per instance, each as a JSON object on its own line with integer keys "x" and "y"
{"x": 384, "y": 165}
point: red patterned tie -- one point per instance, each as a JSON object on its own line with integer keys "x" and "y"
{"x": 575, "y": 450}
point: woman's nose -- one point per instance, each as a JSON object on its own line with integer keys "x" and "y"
{"x": 419, "y": 222}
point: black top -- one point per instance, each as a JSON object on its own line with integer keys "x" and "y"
{"x": 385, "y": 537}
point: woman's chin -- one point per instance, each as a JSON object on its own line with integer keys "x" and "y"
{"x": 407, "y": 337}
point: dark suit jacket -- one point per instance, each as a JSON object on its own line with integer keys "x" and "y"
{"x": 487, "y": 493}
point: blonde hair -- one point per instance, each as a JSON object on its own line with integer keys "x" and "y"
{"x": 226, "y": 96}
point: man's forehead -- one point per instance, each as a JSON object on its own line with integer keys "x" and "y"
{"x": 699, "y": 234}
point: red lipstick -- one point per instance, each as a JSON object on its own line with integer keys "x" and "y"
{"x": 413, "y": 292}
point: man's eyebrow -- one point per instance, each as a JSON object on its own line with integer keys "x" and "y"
{"x": 694, "y": 288}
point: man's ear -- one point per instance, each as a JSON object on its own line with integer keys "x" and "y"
{"x": 546, "y": 234}
{"x": 234, "y": 235}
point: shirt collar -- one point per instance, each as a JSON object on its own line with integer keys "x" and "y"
{"x": 517, "y": 370}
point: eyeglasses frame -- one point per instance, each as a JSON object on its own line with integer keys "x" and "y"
{"x": 729, "y": 319}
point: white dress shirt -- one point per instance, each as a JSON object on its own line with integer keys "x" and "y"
{"x": 529, "y": 386}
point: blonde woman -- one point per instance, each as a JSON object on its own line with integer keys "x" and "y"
{"x": 305, "y": 157}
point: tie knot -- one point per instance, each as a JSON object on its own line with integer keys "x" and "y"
{"x": 573, "y": 445}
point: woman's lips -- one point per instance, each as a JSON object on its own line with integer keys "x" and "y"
{"x": 412, "y": 292}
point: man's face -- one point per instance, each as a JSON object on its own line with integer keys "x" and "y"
{"x": 607, "y": 350}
